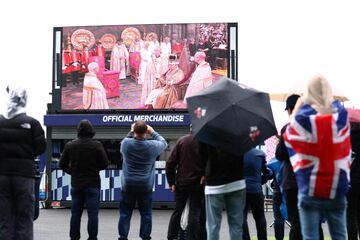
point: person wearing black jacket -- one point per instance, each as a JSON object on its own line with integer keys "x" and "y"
{"x": 22, "y": 139}
{"x": 353, "y": 196}
{"x": 184, "y": 170}
{"x": 224, "y": 188}
{"x": 83, "y": 158}
{"x": 288, "y": 183}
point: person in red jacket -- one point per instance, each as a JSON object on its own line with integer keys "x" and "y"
{"x": 85, "y": 55}
{"x": 75, "y": 67}
{"x": 99, "y": 50}
{"x": 66, "y": 60}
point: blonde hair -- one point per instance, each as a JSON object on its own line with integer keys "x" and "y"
{"x": 319, "y": 94}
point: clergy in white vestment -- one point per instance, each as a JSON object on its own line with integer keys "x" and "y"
{"x": 166, "y": 46}
{"x": 152, "y": 73}
{"x": 202, "y": 76}
{"x": 119, "y": 59}
{"x": 94, "y": 93}
{"x": 154, "y": 43}
{"x": 145, "y": 56}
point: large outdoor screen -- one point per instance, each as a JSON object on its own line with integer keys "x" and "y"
{"x": 137, "y": 67}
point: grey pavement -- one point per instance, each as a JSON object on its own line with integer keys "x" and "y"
{"x": 54, "y": 224}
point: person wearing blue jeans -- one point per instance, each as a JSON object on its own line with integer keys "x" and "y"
{"x": 318, "y": 144}
{"x": 278, "y": 201}
{"x": 224, "y": 188}
{"x": 137, "y": 178}
{"x": 127, "y": 204}
{"x": 279, "y": 221}
{"x": 234, "y": 203}
{"x": 311, "y": 210}
{"x": 90, "y": 197}
{"x": 83, "y": 158}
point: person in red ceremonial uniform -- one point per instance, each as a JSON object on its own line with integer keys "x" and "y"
{"x": 99, "y": 50}
{"x": 66, "y": 61}
{"x": 75, "y": 65}
{"x": 66, "y": 64}
{"x": 85, "y": 54}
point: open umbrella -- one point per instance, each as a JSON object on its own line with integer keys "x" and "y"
{"x": 299, "y": 88}
{"x": 354, "y": 115}
{"x": 231, "y": 116}
{"x": 283, "y": 96}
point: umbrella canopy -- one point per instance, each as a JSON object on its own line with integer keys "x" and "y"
{"x": 230, "y": 116}
{"x": 283, "y": 96}
{"x": 354, "y": 115}
{"x": 299, "y": 88}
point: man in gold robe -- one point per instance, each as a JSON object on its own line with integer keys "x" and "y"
{"x": 165, "y": 94}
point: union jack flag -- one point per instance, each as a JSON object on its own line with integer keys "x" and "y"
{"x": 320, "y": 151}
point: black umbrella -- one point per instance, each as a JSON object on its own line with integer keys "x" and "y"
{"x": 230, "y": 116}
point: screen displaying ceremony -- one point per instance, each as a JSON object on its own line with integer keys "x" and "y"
{"x": 130, "y": 67}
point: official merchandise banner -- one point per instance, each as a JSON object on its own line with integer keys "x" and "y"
{"x": 117, "y": 119}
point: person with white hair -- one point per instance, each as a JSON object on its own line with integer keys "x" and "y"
{"x": 22, "y": 139}
{"x": 166, "y": 47}
{"x": 202, "y": 76}
{"x": 318, "y": 143}
{"x": 145, "y": 55}
{"x": 94, "y": 93}
{"x": 154, "y": 66}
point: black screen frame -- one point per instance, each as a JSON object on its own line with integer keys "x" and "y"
{"x": 56, "y": 106}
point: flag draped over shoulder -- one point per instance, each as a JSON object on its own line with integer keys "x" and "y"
{"x": 320, "y": 151}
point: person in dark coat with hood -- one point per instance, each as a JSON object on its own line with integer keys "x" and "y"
{"x": 22, "y": 139}
{"x": 83, "y": 158}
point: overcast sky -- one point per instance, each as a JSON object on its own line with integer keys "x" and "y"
{"x": 281, "y": 43}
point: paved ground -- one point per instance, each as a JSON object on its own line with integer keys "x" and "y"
{"x": 54, "y": 224}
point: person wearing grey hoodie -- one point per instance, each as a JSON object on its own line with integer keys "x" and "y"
{"x": 22, "y": 139}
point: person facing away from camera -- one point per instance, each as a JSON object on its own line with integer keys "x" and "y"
{"x": 225, "y": 187}
{"x": 288, "y": 181}
{"x": 184, "y": 171}
{"x": 83, "y": 158}
{"x": 22, "y": 139}
{"x": 256, "y": 174}
{"x": 137, "y": 179}
{"x": 318, "y": 143}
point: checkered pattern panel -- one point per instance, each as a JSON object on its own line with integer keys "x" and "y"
{"x": 61, "y": 185}
{"x": 110, "y": 186}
